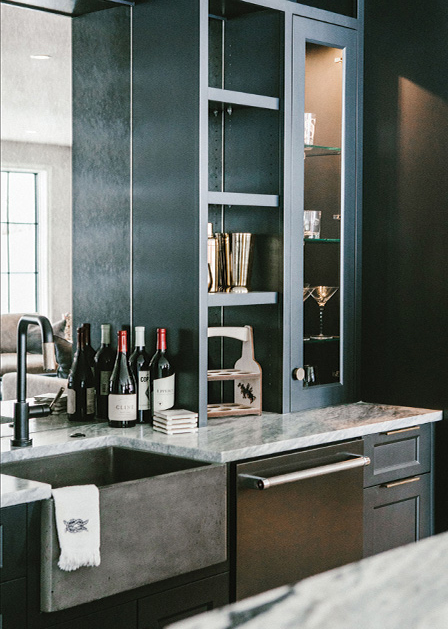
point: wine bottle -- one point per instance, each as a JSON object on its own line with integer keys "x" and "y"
{"x": 104, "y": 362}
{"x": 122, "y": 403}
{"x": 89, "y": 351}
{"x": 80, "y": 384}
{"x": 139, "y": 362}
{"x": 161, "y": 377}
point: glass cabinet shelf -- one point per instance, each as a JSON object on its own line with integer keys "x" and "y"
{"x": 322, "y": 240}
{"x": 314, "y": 150}
{"x": 332, "y": 339}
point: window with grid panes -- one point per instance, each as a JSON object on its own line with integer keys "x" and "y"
{"x": 19, "y": 242}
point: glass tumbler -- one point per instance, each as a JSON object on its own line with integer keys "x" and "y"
{"x": 311, "y": 224}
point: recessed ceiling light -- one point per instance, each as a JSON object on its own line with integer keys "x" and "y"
{"x": 41, "y": 57}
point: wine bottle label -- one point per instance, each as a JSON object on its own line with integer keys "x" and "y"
{"x": 163, "y": 393}
{"x": 122, "y": 408}
{"x": 71, "y": 402}
{"x": 90, "y": 401}
{"x": 143, "y": 390}
{"x": 104, "y": 382}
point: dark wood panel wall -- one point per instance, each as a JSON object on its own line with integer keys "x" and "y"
{"x": 165, "y": 182}
{"x": 101, "y": 169}
{"x": 405, "y": 220}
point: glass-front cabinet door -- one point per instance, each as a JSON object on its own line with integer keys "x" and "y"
{"x": 323, "y": 214}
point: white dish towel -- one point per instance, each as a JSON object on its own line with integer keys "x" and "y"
{"x": 77, "y": 510}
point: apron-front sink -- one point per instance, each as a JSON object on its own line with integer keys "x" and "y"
{"x": 161, "y": 516}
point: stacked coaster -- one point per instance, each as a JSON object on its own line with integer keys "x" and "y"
{"x": 47, "y": 398}
{"x": 175, "y": 421}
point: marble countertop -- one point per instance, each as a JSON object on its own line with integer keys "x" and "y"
{"x": 224, "y": 439}
{"x": 404, "y": 587}
{"x": 16, "y": 491}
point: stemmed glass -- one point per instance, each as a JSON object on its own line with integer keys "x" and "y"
{"x": 322, "y": 294}
{"x": 307, "y": 290}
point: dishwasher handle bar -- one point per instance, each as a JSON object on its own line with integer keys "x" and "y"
{"x": 258, "y": 482}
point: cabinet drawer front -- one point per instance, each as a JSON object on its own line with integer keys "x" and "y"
{"x": 184, "y": 522}
{"x": 13, "y": 542}
{"x": 13, "y": 607}
{"x": 165, "y": 608}
{"x": 397, "y": 454}
{"x": 396, "y": 513}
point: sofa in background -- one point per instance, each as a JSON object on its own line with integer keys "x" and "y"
{"x": 35, "y": 384}
{"x": 8, "y": 346}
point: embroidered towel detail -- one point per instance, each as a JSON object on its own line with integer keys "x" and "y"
{"x": 77, "y": 511}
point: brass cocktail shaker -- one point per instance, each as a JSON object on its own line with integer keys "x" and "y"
{"x": 241, "y": 261}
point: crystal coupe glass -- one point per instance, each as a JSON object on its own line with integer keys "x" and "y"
{"x": 322, "y": 294}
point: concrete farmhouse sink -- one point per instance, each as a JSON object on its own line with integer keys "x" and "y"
{"x": 161, "y": 516}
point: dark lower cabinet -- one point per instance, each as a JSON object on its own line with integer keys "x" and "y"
{"x": 119, "y": 617}
{"x": 160, "y": 610}
{"x": 151, "y": 612}
{"x": 396, "y": 513}
{"x": 155, "y": 605}
{"x": 13, "y": 604}
{"x": 398, "y": 505}
{"x": 12, "y": 542}
{"x": 13, "y": 588}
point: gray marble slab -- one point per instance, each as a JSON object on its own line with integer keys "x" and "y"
{"x": 227, "y": 439}
{"x": 402, "y": 588}
{"x": 224, "y": 439}
{"x": 18, "y": 491}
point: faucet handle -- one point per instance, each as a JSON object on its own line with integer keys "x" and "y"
{"x": 49, "y": 356}
{"x": 56, "y": 399}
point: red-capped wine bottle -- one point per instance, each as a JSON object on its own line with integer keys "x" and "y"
{"x": 104, "y": 363}
{"x": 89, "y": 351}
{"x": 80, "y": 385}
{"x": 122, "y": 403}
{"x": 161, "y": 376}
{"x": 139, "y": 362}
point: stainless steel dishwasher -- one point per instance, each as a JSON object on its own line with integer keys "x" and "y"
{"x": 297, "y": 515}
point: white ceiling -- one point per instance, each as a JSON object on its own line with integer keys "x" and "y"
{"x": 35, "y": 95}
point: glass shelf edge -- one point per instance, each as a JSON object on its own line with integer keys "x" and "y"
{"x": 322, "y": 240}
{"x": 322, "y": 341}
{"x": 319, "y": 146}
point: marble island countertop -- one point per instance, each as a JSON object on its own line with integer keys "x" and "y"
{"x": 224, "y": 439}
{"x": 18, "y": 490}
{"x": 404, "y": 587}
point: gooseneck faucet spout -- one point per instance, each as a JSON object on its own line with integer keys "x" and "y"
{"x": 22, "y": 410}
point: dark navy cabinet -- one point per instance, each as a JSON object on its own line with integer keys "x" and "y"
{"x": 162, "y": 609}
{"x": 325, "y": 155}
{"x": 13, "y": 536}
{"x": 218, "y": 137}
{"x": 211, "y": 130}
{"x": 398, "y": 495}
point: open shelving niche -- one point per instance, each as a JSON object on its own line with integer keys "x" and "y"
{"x": 245, "y": 175}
